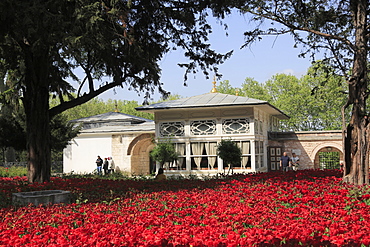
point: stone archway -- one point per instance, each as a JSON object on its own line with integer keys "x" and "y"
{"x": 325, "y": 147}
{"x": 140, "y": 160}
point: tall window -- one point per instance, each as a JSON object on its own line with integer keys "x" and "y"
{"x": 259, "y": 151}
{"x": 262, "y": 152}
{"x": 273, "y": 123}
{"x": 246, "y": 155}
{"x": 203, "y": 155}
{"x": 180, "y": 163}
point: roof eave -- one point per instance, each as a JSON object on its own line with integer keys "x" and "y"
{"x": 282, "y": 115}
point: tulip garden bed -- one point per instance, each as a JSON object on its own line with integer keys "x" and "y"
{"x": 304, "y": 208}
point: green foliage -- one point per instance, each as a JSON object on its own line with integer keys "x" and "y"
{"x": 313, "y": 101}
{"x": 164, "y": 152}
{"x": 253, "y": 89}
{"x": 13, "y": 171}
{"x": 229, "y": 152}
{"x": 226, "y": 88}
{"x": 49, "y": 44}
{"x": 98, "y": 106}
{"x": 113, "y": 43}
{"x": 293, "y": 97}
{"x": 62, "y": 131}
{"x": 318, "y": 25}
{"x": 12, "y": 132}
{"x": 330, "y": 94}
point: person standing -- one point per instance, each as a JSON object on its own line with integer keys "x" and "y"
{"x": 295, "y": 161}
{"x": 285, "y": 161}
{"x": 111, "y": 165}
{"x": 99, "y": 164}
{"x": 105, "y": 166}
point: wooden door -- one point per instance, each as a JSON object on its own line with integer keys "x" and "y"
{"x": 274, "y": 158}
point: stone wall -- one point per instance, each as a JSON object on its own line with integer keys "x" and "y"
{"x": 140, "y": 160}
{"x": 120, "y": 144}
{"x": 308, "y": 144}
{"x": 130, "y": 153}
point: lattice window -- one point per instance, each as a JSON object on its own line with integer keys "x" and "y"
{"x": 235, "y": 126}
{"x": 203, "y": 127}
{"x": 171, "y": 129}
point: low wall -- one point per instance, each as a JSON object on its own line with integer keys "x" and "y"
{"x": 44, "y": 197}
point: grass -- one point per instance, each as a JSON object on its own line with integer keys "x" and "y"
{"x": 13, "y": 171}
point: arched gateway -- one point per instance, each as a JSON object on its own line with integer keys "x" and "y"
{"x": 316, "y": 149}
{"x": 139, "y": 150}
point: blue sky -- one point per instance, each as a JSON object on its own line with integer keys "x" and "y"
{"x": 260, "y": 61}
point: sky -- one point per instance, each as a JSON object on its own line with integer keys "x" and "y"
{"x": 260, "y": 61}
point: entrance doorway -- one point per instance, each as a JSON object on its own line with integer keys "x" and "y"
{"x": 329, "y": 160}
{"x": 274, "y": 155}
{"x": 140, "y": 155}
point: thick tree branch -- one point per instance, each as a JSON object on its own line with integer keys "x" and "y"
{"x": 292, "y": 27}
{"x": 81, "y": 99}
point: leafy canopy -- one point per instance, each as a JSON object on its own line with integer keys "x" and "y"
{"x": 164, "y": 152}
{"x": 229, "y": 152}
{"x": 113, "y": 43}
{"x": 47, "y": 44}
{"x": 313, "y": 101}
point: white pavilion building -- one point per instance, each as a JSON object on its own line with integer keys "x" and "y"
{"x": 197, "y": 124}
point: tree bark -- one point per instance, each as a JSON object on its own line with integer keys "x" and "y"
{"x": 356, "y": 134}
{"x": 36, "y": 105}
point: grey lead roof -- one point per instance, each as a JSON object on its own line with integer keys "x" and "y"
{"x": 210, "y": 100}
{"x": 113, "y": 117}
{"x": 143, "y": 127}
{"x": 111, "y": 122}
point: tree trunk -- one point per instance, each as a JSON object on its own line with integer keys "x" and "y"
{"x": 36, "y": 105}
{"x": 356, "y": 146}
{"x": 356, "y": 134}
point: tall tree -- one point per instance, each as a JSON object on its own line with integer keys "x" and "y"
{"x": 46, "y": 41}
{"x": 254, "y": 89}
{"x": 293, "y": 96}
{"x": 313, "y": 101}
{"x": 328, "y": 94}
{"x": 341, "y": 30}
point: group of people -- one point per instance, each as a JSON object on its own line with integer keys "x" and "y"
{"x": 103, "y": 166}
{"x": 289, "y": 163}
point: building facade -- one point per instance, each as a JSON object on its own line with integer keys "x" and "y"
{"x": 196, "y": 125}
{"x": 126, "y": 140}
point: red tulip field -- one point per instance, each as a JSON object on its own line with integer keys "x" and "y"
{"x": 303, "y": 208}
